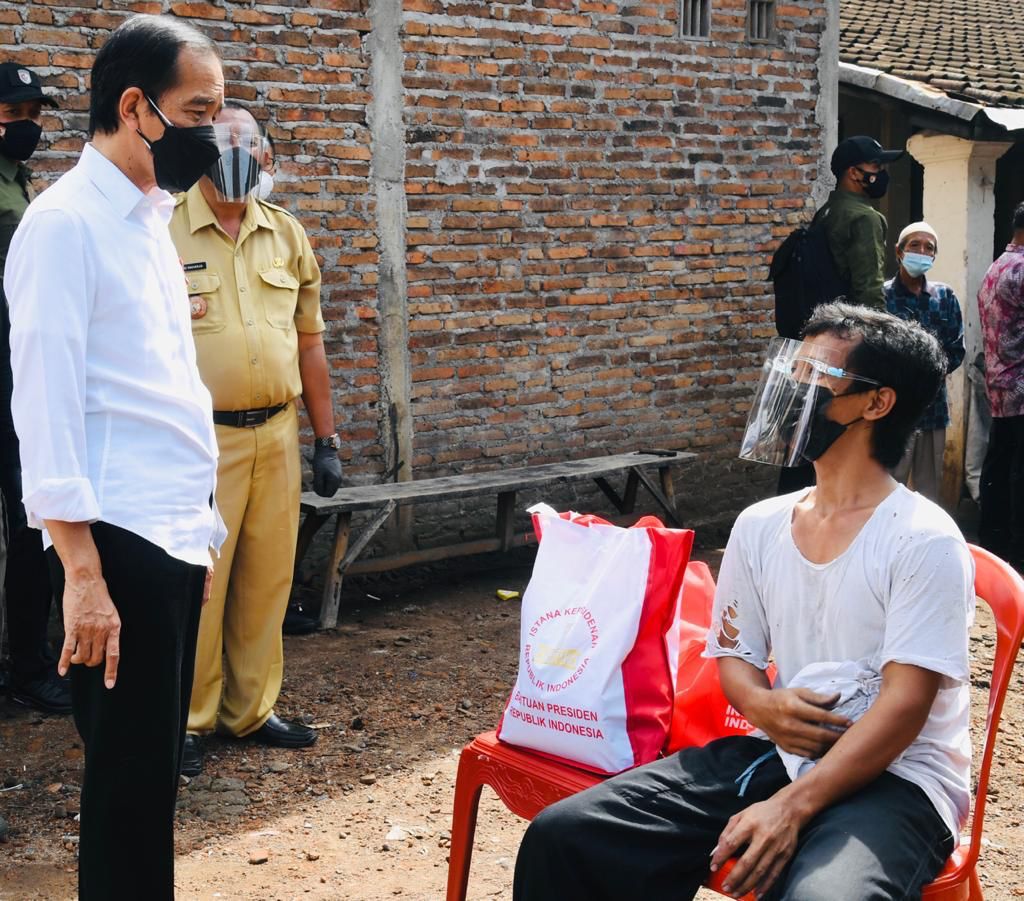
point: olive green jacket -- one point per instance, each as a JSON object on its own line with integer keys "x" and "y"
{"x": 14, "y": 199}
{"x": 856, "y": 236}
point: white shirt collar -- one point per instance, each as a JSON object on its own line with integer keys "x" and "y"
{"x": 124, "y": 196}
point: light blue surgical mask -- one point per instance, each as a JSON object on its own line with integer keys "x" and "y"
{"x": 917, "y": 264}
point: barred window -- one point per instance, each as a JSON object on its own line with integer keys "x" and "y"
{"x": 761, "y": 20}
{"x": 696, "y": 18}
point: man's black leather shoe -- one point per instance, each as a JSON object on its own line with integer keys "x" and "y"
{"x": 50, "y": 693}
{"x": 297, "y": 621}
{"x": 279, "y": 733}
{"x": 192, "y": 755}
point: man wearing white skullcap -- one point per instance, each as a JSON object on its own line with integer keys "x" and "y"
{"x": 910, "y": 295}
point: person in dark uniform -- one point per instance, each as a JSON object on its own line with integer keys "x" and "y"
{"x": 27, "y": 593}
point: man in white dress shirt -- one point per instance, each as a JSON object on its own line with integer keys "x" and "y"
{"x": 118, "y": 450}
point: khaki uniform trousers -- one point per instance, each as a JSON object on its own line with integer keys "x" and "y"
{"x": 258, "y": 489}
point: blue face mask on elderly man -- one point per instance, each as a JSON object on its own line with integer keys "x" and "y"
{"x": 917, "y": 264}
{"x": 917, "y": 246}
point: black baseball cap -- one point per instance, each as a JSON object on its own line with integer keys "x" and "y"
{"x": 861, "y": 149}
{"x": 18, "y": 83}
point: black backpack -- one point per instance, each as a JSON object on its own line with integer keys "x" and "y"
{"x": 804, "y": 275}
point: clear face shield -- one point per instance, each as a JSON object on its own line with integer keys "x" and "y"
{"x": 787, "y": 425}
{"x": 237, "y": 173}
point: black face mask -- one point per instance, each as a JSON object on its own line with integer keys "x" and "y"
{"x": 20, "y": 139}
{"x": 875, "y": 184}
{"x": 235, "y": 180}
{"x": 824, "y": 432}
{"x": 182, "y": 155}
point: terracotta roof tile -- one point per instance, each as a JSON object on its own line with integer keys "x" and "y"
{"x": 970, "y": 48}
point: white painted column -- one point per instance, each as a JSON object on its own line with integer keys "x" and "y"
{"x": 959, "y": 203}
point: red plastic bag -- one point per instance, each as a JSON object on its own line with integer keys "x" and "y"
{"x": 701, "y": 712}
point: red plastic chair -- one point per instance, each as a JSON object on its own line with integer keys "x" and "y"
{"x": 527, "y": 783}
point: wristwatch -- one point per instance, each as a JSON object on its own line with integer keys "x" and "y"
{"x": 328, "y": 441}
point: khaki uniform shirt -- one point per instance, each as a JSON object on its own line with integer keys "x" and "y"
{"x": 256, "y": 295}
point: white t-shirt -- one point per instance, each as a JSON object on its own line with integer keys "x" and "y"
{"x": 902, "y": 592}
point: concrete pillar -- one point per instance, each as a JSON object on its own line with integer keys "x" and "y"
{"x": 387, "y": 179}
{"x": 959, "y": 203}
{"x": 826, "y": 109}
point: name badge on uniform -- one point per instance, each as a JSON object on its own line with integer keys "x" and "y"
{"x": 194, "y": 267}
{"x": 198, "y": 306}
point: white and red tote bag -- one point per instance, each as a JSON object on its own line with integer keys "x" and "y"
{"x": 595, "y": 686}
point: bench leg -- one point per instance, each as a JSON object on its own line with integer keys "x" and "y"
{"x": 668, "y": 486}
{"x": 627, "y": 502}
{"x": 506, "y": 518}
{"x": 307, "y": 532}
{"x": 663, "y": 502}
{"x": 333, "y": 576}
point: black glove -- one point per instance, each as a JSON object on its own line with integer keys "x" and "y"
{"x": 326, "y": 471}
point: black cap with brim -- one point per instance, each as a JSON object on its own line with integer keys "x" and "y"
{"x": 861, "y": 149}
{"x": 19, "y": 83}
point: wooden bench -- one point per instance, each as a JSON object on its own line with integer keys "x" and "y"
{"x": 384, "y": 499}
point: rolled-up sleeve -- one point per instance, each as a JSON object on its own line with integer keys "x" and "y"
{"x": 48, "y": 284}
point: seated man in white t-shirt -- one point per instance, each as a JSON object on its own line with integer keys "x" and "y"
{"x": 856, "y": 571}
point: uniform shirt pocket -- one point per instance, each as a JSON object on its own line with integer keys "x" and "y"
{"x": 280, "y": 297}
{"x": 205, "y": 297}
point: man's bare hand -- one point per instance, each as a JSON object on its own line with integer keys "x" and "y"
{"x": 799, "y": 720}
{"x": 92, "y": 627}
{"x": 768, "y": 831}
{"x": 207, "y": 585}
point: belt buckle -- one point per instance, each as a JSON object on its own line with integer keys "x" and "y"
{"x": 252, "y": 418}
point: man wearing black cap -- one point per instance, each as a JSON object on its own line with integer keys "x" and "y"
{"x": 27, "y": 594}
{"x": 854, "y": 228}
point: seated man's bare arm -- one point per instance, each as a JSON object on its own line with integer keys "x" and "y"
{"x": 798, "y": 720}
{"x": 861, "y": 754}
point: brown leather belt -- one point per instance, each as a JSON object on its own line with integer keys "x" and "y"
{"x": 246, "y": 419}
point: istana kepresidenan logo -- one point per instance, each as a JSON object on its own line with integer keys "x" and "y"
{"x": 559, "y": 645}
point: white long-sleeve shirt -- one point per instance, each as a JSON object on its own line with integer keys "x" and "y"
{"x": 114, "y": 422}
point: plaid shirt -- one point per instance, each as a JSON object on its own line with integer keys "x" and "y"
{"x": 1001, "y": 304}
{"x": 938, "y": 310}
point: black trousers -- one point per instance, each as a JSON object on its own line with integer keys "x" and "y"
{"x": 649, "y": 833}
{"x": 133, "y": 733}
{"x": 1001, "y": 526}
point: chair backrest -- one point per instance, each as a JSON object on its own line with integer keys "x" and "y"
{"x": 1002, "y": 588}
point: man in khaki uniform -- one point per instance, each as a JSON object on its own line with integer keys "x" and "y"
{"x": 254, "y": 289}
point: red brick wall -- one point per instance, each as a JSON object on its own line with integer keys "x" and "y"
{"x": 591, "y": 204}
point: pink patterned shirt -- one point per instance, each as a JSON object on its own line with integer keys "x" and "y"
{"x": 1001, "y": 304}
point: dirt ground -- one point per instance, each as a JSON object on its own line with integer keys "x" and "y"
{"x": 395, "y": 692}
